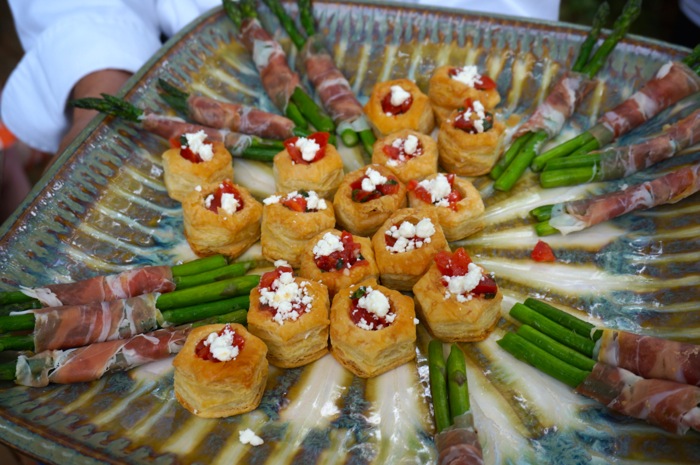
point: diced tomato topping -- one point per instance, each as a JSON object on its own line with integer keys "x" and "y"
{"x": 346, "y": 258}
{"x": 361, "y": 196}
{"x": 268, "y": 278}
{"x": 466, "y": 123}
{"x": 185, "y": 151}
{"x": 543, "y": 253}
{"x": 358, "y": 313}
{"x": 389, "y": 108}
{"x": 225, "y": 187}
{"x": 321, "y": 138}
{"x": 486, "y": 82}
{"x": 453, "y": 198}
{"x": 297, "y": 204}
{"x": 457, "y": 264}
{"x": 398, "y": 153}
{"x": 202, "y": 351}
{"x": 486, "y": 288}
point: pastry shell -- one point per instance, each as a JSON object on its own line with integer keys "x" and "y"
{"x": 363, "y": 219}
{"x": 371, "y": 353}
{"x": 338, "y": 279}
{"x": 402, "y": 270}
{"x": 466, "y": 220}
{"x": 415, "y": 167}
{"x": 468, "y": 154}
{"x": 447, "y": 94}
{"x": 182, "y": 177}
{"x": 296, "y": 342}
{"x": 210, "y": 233}
{"x": 285, "y": 232}
{"x": 322, "y": 176}
{"x": 419, "y": 117}
{"x": 450, "y": 320}
{"x": 220, "y": 389}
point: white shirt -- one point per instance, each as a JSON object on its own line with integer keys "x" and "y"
{"x": 65, "y": 40}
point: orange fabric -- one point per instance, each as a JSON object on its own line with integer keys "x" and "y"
{"x": 6, "y": 137}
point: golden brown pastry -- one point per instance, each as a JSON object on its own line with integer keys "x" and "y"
{"x": 373, "y": 329}
{"x": 290, "y": 314}
{"x": 450, "y": 86}
{"x": 405, "y": 244}
{"x": 220, "y": 371}
{"x": 458, "y": 203}
{"x": 456, "y": 299}
{"x": 469, "y": 140}
{"x": 338, "y": 259}
{"x": 308, "y": 163}
{"x": 222, "y": 218}
{"x": 408, "y": 154}
{"x": 195, "y": 163}
{"x": 289, "y": 221}
{"x": 366, "y": 198}
{"x": 399, "y": 104}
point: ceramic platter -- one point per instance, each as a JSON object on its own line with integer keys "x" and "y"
{"x": 103, "y": 208}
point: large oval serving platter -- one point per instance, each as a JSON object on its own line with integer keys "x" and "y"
{"x": 103, "y": 208}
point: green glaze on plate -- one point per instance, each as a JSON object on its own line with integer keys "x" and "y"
{"x": 103, "y": 207}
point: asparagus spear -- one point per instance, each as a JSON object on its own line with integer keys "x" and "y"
{"x": 306, "y": 16}
{"x": 438, "y": 385}
{"x": 565, "y": 319}
{"x": 555, "y": 348}
{"x": 458, "y": 389}
{"x": 599, "y": 19}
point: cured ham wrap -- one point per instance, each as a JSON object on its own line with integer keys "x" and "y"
{"x": 91, "y": 362}
{"x": 669, "y": 405}
{"x": 459, "y": 444}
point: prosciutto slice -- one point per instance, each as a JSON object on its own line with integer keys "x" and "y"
{"x": 579, "y": 214}
{"x": 459, "y": 444}
{"x": 80, "y": 325}
{"x": 91, "y": 362}
{"x": 106, "y": 288}
{"x": 669, "y": 405}
{"x": 278, "y": 80}
{"x": 239, "y": 118}
{"x": 650, "y": 357}
{"x": 673, "y": 82}
{"x": 619, "y": 162}
{"x": 332, "y": 87}
{"x": 169, "y": 127}
{"x": 559, "y": 105}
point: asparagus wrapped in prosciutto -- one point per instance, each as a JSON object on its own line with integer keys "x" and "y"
{"x": 332, "y": 86}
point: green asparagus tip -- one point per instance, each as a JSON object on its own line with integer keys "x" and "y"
{"x": 542, "y": 213}
{"x": 438, "y": 384}
{"x": 545, "y": 229}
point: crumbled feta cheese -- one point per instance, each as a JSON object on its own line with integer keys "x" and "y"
{"x": 664, "y": 70}
{"x": 410, "y": 144}
{"x": 248, "y": 436}
{"x": 208, "y": 200}
{"x": 196, "y": 143}
{"x": 308, "y": 148}
{"x": 280, "y": 263}
{"x": 374, "y": 301}
{"x": 409, "y": 236}
{"x": 416, "y": 321}
{"x": 468, "y": 75}
{"x": 229, "y": 203}
{"x": 287, "y": 297}
{"x": 314, "y": 202}
{"x": 460, "y": 285}
{"x": 438, "y": 188}
{"x": 198, "y": 188}
{"x": 372, "y": 180}
{"x": 221, "y": 346}
{"x": 328, "y": 244}
{"x": 399, "y": 95}
{"x": 273, "y": 199}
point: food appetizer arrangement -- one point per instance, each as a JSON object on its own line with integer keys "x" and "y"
{"x": 369, "y": 266}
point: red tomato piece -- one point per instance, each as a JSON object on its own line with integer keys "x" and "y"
{"x": 358, "y": 313}
{"x": 203, "y": 351}
{"x": 486, "y": 83}
{"x": 226, "y": 187}
{"x": 297, "y": 204}
{"x": 543, "y": 253}
{"x": 388, "y": 107}
{"x": 391, "y": 186}
{"x": 321, "y": 138}
{"x": 346, "y": 258}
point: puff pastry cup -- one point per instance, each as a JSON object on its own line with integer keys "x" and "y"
{"x": 362, "y": 211}
{"x": 386, "y": 116}
{"x": 371, "y": 352}
{"x": 405, "y": 244}
{"x": 453, "y": 316}
{"x": 469, "y": 152}
{"x": 182, "y": 176}
{"x": 290, "y": 314}
{"x": 460, "y": 211}
{"x": 326, "y": 250}
{"x": 289, "y": 223}
{"x": 210, "y": 388}
{"x": 226, "y": 233}
{"x": 322, "y": 175}
{"x": 408, "y": 154}
{"x": 449, "y": 86}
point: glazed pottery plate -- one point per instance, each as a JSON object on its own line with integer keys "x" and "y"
{"x": 103, "y": 208}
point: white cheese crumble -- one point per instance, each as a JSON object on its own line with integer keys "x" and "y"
{"x": 438, "y": 188}
{"x": 460, "y": 285}
{"x": 328, "y": 244}
{"x": 287, "y": 297}
{"x": 376, "y": 303}
{"x": 195, "y": 141}
{"x": 313, "y": 201}
{"x": 409, "y": 148}
{"x": 229, "y": 203}
{"x": 221, "y": 346}
{"x": 399, "y": 95}
{"x": 664, "y": 70}
{"x": 409, "y": 236}
{"x": 280, "y": 263}
{"x": 248, "y": 436}
{"x": 468, "y": 75}
{"x": 308, "y": 148}
{"x": 273, "y": 199}
{"x": 373, "y": 178}
{"x": 198, "y": 188}
{"x": 478, "y": 110}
